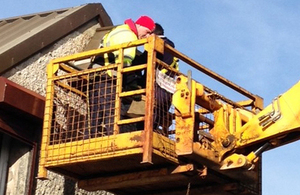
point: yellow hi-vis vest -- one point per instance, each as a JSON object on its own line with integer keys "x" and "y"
{"x": 118, "y": 35}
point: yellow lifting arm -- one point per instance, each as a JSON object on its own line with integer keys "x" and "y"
{"x": 235, "y": 136}
{"x": 276, "y": 125}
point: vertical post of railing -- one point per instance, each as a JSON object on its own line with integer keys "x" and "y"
{"x": 154, "y": 44}
{"x": 118, "y": 91}
{"x": 149, "y": 103}
{"x": 51, "y": 70}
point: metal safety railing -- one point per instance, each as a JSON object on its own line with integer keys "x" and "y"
{"x": 90, "y": 115}
{"x": 85, "y": 107}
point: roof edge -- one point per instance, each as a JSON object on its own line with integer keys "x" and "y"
{"x": 72, "y": 19}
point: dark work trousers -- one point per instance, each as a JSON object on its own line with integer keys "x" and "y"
{"x": 102, "y": 108}
{"x": 162, "y": 104}
{"x": 163, "y": 101}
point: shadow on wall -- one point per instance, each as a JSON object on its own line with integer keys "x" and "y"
{"x": 69, "y": 186}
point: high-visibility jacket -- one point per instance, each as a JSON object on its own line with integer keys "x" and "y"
{"x": 120, "y": 34}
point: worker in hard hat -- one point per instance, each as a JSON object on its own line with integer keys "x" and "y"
{"x": 102, "y": 96}
{"x": 165, "y": 84}
{"x": 167, "y": 57}
{"x": 165, "y": 80}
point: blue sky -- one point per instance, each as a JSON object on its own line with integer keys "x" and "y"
{"x": 254, "y": 44}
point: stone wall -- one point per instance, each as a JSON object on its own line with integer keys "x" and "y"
{"x": 31, "y": 74}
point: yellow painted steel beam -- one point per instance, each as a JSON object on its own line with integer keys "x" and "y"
{"x": 117, "y": 110}
{"x": 184, "y": 101}
{"x": 67, "y": 68}
{"x": 276, "y": 125}
{"x": 94, "y": 148}
{"x": 182, "y": 97}
{"x": 95, "y": 52}
{"x": 274, "y": 122}
{"x": 107, "y": 148}
{"x": 258, "y": 100}
{"x": 134, "y": 68}
{"x": 130, "y": 120}
{"x": 42, "y": 173}
{"x": 205, "y": 100}
{"x": 52, "y": 164}
{"x": 133, "y": 92}
{"x": 79, "y": 74}
{"x": 164, "y": 147}
{"x": 149, "y": 102}
{"x": 67, "y": 87}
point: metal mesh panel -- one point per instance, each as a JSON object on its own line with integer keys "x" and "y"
{"x": 83, "y": 107}
{"x": 164, "y": 117}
